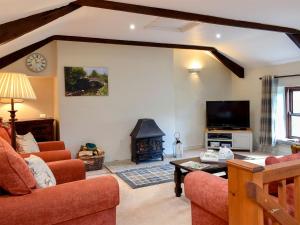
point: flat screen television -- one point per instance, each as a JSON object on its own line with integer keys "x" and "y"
{"x": 227, "y": 114}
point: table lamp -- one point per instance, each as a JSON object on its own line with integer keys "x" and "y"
{"x": 14, "y": 87}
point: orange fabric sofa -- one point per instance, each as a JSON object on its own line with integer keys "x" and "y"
{"x": 73, "y": 201}
{"x": 209, "y": 198}
{"x": 209, "y": 194}
{"x": 49, "y": 151}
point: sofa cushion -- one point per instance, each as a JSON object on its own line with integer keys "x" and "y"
{"x": 273, "y": 160}
{"x": 4, "y": 133}
{"x": 15, "y": 176}
{"x": 50, "y": 156}
{"x": 198, "y": 188}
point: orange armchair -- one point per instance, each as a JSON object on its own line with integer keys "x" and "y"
{"x": 209, "y": 198}
{"x": 73, "y": 201}
{"x": 49, "y": 151}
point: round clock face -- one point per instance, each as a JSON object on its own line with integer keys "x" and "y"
{"x": 36, "y": 62}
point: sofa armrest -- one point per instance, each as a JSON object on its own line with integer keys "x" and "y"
{"x": 60, "y": 203}
{"x": 51, "y": 145}
{"x": 67, "y": 170}
{"x": 209, "y": 192}
{"x": 50, "y": 156}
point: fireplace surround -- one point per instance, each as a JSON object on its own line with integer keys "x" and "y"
{"x": 146, "y": 141}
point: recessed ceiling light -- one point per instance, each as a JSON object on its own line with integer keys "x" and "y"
{"x": 218, "y": 36}
{"x": 132, "y": 26}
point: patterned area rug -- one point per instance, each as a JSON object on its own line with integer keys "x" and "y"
{"x": 143, "y": 177}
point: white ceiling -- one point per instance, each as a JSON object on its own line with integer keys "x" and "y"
{"x": 250, "y": 48}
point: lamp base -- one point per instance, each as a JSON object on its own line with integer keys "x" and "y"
{"x": 13, "y": 128}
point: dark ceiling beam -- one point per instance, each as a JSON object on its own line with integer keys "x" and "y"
{"x": 174, "y": 14}
{"x": 295, "y": 38}
{"x": 234, "y": 67}
{"x": 12, "y": 57}
{"x": 132, "y": 43}
{"x": 17, "y": 28}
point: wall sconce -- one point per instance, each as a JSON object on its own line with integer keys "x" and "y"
{"x": 194, "y": 71}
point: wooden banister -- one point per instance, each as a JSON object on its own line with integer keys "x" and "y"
{"x": 281, "y": 171}
{"x": 240, "y": 173}
{"x": 244, "y": 165}
{"x": 269, "y": 204}
{"x": 297, "y": 197}
{"x": 249, "y": 199}
{"x": 282, "y": 194}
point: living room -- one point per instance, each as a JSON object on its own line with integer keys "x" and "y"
{"x": 152, "y": 65}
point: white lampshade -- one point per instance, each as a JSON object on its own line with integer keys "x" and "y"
{"x": 16, "y": 86}
{"x": 8, "y": 100}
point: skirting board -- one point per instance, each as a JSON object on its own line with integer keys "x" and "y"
{"x": 196, "y": 147}
{"x": 187, "y": 148}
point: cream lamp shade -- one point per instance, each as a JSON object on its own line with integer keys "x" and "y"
{"x": 15, "y": 86}
{"x": 8, "y": 100}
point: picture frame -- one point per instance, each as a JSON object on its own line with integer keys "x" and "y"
{"x": 86, "y": 81}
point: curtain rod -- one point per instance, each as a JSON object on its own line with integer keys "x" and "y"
{"x": 284, "y": 76}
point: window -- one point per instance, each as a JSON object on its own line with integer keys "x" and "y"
{"x": 293, "y": 112}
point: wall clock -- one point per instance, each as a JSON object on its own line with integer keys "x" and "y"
{"x": 36, "y": 62}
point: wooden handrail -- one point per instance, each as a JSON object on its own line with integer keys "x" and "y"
{"x": 248, "y": 186}
{"x": 244, "y": 165}
{"x": 269, "y": 204}
{"x": 281, "y": 171}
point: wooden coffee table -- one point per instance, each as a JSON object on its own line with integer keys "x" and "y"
{"x": 181, "y": 171}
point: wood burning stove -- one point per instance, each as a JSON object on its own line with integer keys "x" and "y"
{"x": 146, "y": 141}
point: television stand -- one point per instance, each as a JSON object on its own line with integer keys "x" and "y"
{"x": 233, "y": 139}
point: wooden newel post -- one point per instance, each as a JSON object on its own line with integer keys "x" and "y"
{"x": 243, "y": 210}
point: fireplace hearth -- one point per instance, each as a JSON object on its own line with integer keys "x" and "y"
{"x": 146, "y": 141}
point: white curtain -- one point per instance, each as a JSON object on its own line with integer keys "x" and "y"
{"x": 280, "y": 123}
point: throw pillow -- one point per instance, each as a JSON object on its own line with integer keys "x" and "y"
{"x": 27, "y": 144}
{"x": 41, "y": 172}
{"x": 15, "y": 176}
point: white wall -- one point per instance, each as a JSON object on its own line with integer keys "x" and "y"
{"x": 192, "y": 91}
{"x": 250, "y": 88}
{"x": 144, "y": 82}
{"x": 42, "y": 83}
{"x": 140, "y": 86}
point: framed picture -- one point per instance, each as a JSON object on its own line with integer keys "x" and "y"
{"x": 86, "y": 81}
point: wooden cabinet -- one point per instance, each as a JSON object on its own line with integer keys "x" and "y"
{"x": 234, "y": 139}
{"x": 42, "y": 129}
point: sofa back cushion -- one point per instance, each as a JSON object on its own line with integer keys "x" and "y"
{"x": 15, "y": 176}
{"x": 4, "y": 133}
{"x": 273, "y": 187}
{"x": 273, "y": 160}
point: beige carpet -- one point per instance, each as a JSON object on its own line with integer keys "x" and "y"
{"x": 154, "y": 205}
